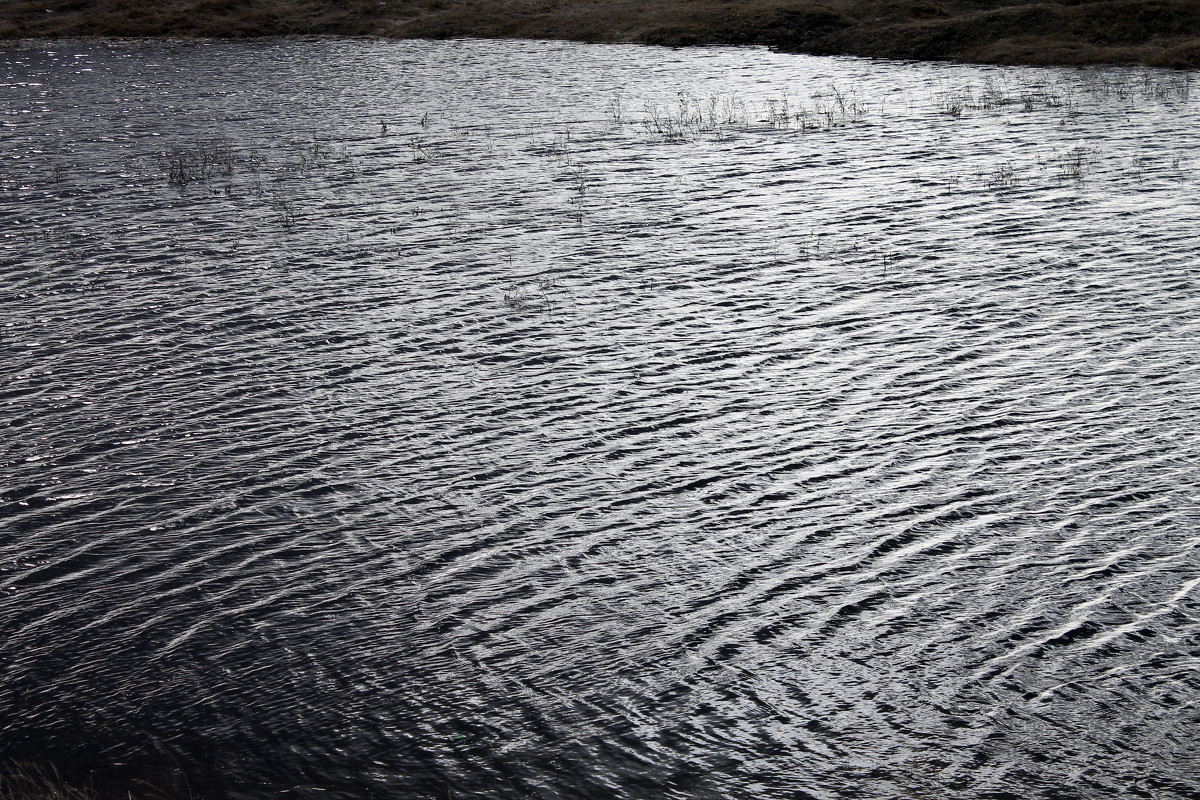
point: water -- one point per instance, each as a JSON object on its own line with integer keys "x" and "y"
{"x": 438, "y": 420}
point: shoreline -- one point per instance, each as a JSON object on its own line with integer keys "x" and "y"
{"x": 1152, "y": 33}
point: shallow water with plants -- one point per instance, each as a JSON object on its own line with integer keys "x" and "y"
{"x": 510, "y": 419}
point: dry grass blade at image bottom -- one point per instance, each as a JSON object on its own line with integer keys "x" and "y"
{"x": 25, "y": 781}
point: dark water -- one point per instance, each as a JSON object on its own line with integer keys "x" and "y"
{"x": 506, "y": 420}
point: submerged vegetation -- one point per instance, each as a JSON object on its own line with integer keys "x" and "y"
{"x": 272, "y": 178}
{"x": 283, "y": 181}
{"x": 1150, "y": 32}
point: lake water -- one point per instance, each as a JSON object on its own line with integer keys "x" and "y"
{"x": 509, "y": 419}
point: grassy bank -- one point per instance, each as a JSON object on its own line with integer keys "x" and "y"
{"x": 1151, "y": 32}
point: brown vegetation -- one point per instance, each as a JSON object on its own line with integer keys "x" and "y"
{"x": 1153, "y": 32}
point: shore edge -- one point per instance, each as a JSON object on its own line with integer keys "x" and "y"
{"x": 1152, "y": 33}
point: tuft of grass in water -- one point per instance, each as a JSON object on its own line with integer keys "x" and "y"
{"x": 1076, "y": 163}
{"x": 198, "y": 162}
{"x": 692, "y": 117}
{"x": 287, "y": 213}
{"x": 950, "y": 105}
{"x": 1002, "y": 177}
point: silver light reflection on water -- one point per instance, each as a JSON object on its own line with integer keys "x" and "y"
{"x": 568, "y": 421}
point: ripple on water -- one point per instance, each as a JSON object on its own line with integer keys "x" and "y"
{"x": 543, "y": 419}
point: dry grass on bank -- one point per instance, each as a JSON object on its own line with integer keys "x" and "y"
{"x": 1153, "y": 32}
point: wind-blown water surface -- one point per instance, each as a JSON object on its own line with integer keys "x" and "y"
{"x": 510, "y": 419}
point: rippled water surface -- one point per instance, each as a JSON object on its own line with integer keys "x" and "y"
{"x": 510, "y": 420}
